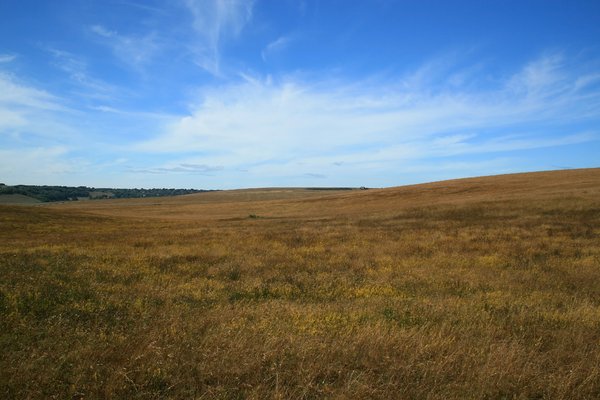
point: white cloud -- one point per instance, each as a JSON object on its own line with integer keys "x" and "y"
{"x": 215, "y": 21}
{"x": 262, "y": 130}
{"x": 28, "y": 112}
{"x": 586, "y": 80}
{"x": 106, "y": 109}
{"x": 186, "y": 168}
{"x": 262, "y": 122}
{"x": 35, "y": 165}
{"x": 34, "y": 119}
{"x": 144, "y": 7}
{"x": 10, "y": 119}
{"x": 15, "y": 94}
{"x": 541, "y": 77}
{"x": 277, "y": 45}
{"x": 6, "y": 58}
{"x": 135, "y": 51}
{"x": 77, "y": 70}
{"x": 102, "y": 31}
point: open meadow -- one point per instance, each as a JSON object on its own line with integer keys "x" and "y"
{"x": 482, "y": 288}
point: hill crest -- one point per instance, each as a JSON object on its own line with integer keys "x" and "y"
{"x": 291, "y": 202}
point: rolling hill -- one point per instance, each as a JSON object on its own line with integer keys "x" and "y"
{"x": 471, "y": 288}
{"x": 302, "y": 203}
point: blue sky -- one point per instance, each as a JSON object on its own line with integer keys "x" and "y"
{"x": 231, "y": 93}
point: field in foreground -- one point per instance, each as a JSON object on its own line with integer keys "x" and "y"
{"x": 475, "y": 288}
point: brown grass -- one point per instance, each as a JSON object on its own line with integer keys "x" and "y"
{"x": 477, "y": 288}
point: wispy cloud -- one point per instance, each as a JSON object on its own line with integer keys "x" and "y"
{"x": 301, "y": 131}
{"x": 199, "y": 169}
{"x": 6, "y": 58}
{"x": 214, "y": 22}
{"x": 133, "y": 50}
{"x": 542, "y": 77}
{"x": 277, "y": 45}
{"x": 37, "y": 135}
{"x": 151, "y": 117}
{"x": 39, "y": 165}
{"x": 78, "y": 71}
{"x": 141, "y": 6}
{"x": 43, "y": 139}
{"x": 283, "y": 123}
{"x": 315, "y": 175}
{"x": 14, "y": 93}
{"x": 102, "y": 31}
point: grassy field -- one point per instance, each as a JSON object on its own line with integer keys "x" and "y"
{"x": 17, "y": 199}
{"x": 484, "y": 288}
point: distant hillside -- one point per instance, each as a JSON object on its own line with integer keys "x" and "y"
{"x": 68, "y": 193}
{"x": 17, "y": 199}
{"x": 308, "y": 203}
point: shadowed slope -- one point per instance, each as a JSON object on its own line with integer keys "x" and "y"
{"x": 17, "y": 199}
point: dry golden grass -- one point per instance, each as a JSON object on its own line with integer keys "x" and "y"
{"x": 478, "y": 288}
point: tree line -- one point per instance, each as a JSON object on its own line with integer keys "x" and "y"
{"x": 72, "y": 193}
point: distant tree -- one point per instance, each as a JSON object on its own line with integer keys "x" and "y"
{"x": 66, "y": 193}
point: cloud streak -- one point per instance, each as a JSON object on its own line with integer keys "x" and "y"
{"x": 29, "y": 113}
{"x": 78, "y": 71}
{"x": 275, "y": 46}
{"x": 214, "y": 22}
{"x": 199, "y": 169}
{"x": 135, "y": 51}
{"x": 6, "y": 58}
